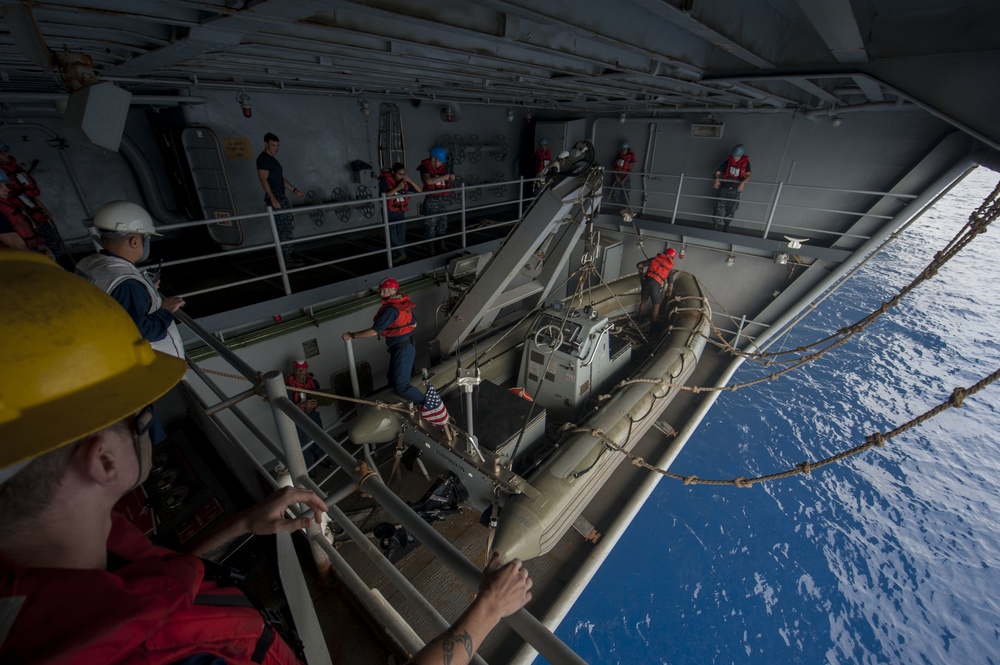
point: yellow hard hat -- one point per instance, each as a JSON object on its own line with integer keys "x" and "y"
{"x": 72, "y": 361}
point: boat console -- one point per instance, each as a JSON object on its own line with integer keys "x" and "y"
{"x": 568, "y": 355}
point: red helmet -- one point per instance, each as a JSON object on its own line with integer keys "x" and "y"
{"x": 388, "y": 283}
{"x": 671, "y": 252}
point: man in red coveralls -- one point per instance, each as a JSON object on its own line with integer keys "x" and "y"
{"x": 78, "y": 583}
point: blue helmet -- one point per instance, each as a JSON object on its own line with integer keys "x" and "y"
{"x": 626, "y": 145}
{"x": 543, "y": 142}
{"x": 739, "y": 150}
{"x": 439, "y": 153}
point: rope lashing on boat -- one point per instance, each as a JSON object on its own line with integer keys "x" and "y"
{"x": 875, "y": 439}
{"x": 379, "y": 404}
{"x": 979, "y": 221}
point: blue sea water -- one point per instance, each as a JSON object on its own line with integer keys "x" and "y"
{"x": 890, "y": 557}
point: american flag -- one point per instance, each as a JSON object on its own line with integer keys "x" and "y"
{"x": 434, "y": 409}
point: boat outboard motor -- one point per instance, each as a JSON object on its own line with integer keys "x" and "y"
{"x": 442, "y": 498}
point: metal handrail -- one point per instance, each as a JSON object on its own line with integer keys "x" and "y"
{"x": 288, "y": 416}
{"x": 678, "y": 186}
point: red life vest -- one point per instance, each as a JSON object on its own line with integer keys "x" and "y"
{"x": 736, "y": 169}
{"x": 404, "y": 323}
{"x": 427, "y": 166}
{"x": 21, "y": 182}
{"x": 398, "y": 202}
{"x": 624, "y": 162}
{"x": 19, "y": 219}
{"x": 659, "y": 268}
{"x": 299, "y": 397}
{"x": 543, "y": 157}
{"x": 156, "y": 609}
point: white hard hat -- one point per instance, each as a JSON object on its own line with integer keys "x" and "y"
{"x": 124, "y": 217}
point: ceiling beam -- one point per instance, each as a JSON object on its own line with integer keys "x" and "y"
{"x": 219, "y": 33}
{"x": 690, "y": 24}
{"x": 835, "y": 22}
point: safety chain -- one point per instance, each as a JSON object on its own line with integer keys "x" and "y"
{"x": 879, "y": 439}
{"x": 376, "y": 403}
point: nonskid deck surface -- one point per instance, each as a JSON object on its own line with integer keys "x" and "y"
{"x": 551, "y": 572}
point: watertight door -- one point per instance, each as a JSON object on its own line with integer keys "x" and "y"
{"x": 211, "y": 181}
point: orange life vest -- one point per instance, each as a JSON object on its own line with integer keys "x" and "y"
{"x": 659, "y": 268}
{"x": 404, "y": 323}
{"x": 396, "y": 202}
{"x": 427, "y": 166}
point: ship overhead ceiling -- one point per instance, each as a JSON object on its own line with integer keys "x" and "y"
{"x": 572, "y": 56}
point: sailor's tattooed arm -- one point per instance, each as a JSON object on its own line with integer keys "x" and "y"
{"x": 503, "y": 590}
{"x": 216, "y": 553}
{"x": 452, "y": 642}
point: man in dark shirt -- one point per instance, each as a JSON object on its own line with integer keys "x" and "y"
{"x": 272, "y": 179}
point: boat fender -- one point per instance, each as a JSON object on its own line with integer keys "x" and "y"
{"x": 522, "y": 393}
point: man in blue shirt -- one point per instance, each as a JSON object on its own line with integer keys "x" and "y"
{"x": 272, "y": 179}
{"x": 125, "y": 229}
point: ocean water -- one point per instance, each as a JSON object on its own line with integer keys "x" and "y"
{"x": 890, "y": 557}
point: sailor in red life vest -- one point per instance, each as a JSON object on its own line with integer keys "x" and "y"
{"x": 436, "y": 178}
{"x": 396, "y": 186}
{"x": 394, "y": 321}
{"x": 79, "y": 583}
{"x": 730, "y": 178}
{"x": 20, "y": 223}
{"x": 622, "y": 181}
{"x": 658, "y": 271}
{"x": 302, "y": 379}
{"x": 23, "y": 192}
{"x": 541, "y": 159}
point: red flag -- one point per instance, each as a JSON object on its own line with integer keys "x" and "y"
{"x": 434, "y": 409}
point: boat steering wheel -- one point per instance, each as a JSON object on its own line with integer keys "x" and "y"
{"x": 551, "y": 333}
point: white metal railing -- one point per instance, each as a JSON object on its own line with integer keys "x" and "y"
{"x": 672, "y": 196}
{"x": 287, "y": 417}
{"x": 465, "y": 209}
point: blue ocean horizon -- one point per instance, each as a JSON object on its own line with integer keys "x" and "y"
{"x": 889, "y": 557}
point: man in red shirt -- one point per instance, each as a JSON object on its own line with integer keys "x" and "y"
{"x": 730, "y": 178}
{"x": 622, "y": 180}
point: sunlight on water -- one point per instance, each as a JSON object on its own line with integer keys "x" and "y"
{"x": 890, "y": 557}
